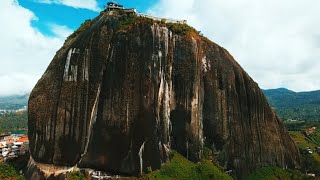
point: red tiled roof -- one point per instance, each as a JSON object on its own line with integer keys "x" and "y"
{"x": 23, "y": 139}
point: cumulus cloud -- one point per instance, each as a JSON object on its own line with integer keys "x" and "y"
{"x": 25, "y": 53}
{"x": 276, "y": 42}
{"x": 84, "y": 4}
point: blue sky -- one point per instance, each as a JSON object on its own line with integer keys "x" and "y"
{"x": 276, "y": 42}
{"x": 71, "y": 17}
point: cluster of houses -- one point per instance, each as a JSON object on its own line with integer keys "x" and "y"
{"x": 8, "y": 111}
{"x": 315, "y": 149}
{"x": 99, "y": 175}
{"x": 310, "y": 131}
{"x": 12, "y": 146}
{"x": 5, "y": 111}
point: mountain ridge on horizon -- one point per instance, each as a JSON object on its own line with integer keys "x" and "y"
{"x": 295, "y": 105}
{"x": 283, "y": 89}
{"x": 279, "y": 89}
{"x": 14, "y": 102}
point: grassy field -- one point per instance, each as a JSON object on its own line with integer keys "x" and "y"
{"x": 311, "y": 161}
{"x": 181, "y": 168}
{"x": 276, "y": 173}
{"x": 301, "y": 140}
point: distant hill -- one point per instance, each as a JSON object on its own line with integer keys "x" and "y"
{"x": 295, "y": 105}
{"x": 13, "y": 102}
{"x": 10, "y": 122}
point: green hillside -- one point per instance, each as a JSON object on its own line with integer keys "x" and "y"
{"x": 13, "y": 102}
{"x": 13, "y": 121}
{"x": 295, "y": 105}
{"x": 308, "y": 146}
{"x": 181, "y": 168}
{"x": 276, "y": 173}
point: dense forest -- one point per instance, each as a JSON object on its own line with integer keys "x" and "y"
{"x": 295, "y": 105}
{"x": 13, "y": 121}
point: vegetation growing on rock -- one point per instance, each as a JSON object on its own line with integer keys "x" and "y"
{"x": 180, "y": 28}
{"x": 127, "y": 21}
{"x": 84, "y": 26}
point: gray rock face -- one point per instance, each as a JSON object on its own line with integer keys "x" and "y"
{"x": 118, "y": 96}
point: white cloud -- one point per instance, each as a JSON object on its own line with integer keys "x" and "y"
{"x": 17, "y": 83}
{"x": 276, "y": 42}
{"x": 24, "y": 52}
{"x": 85, "y": 4}
{"x": 60, "y": 31}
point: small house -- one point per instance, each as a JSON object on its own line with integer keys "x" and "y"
{"x": 23, "y": 140}
{"x": 113, "y": 6}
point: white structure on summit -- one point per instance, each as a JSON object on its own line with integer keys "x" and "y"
{"x": 162, "y": 19}
{"x": 114, "y": 6}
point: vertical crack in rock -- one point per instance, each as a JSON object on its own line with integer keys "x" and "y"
{"x": 160, "y": 58}
{"x": 93, "y": 118}
{"x": 141, "y": 150}
{"x": 127, "y": 118}
{"x": 85, "y": 72}
{"x": 67, "y": 65}
{"x": 196, "y": 102}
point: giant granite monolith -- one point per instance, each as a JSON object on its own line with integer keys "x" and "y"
{"x": 124, "y": 90}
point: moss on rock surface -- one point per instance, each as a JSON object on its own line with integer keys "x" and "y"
{"x": 84, "y": 26}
